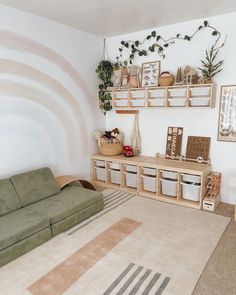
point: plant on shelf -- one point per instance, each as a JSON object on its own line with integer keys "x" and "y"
{"x": 159, "y": 44}
{"x": 105, "y": 71}
{"x": 209, "y": 67}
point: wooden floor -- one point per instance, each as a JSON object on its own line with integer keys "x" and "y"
{"x": 219, "y": 275}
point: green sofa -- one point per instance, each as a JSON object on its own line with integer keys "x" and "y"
{"x": 33, "y": 210}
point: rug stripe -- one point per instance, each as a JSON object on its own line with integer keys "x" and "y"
{"x": 140, "y": 282}
{"x": 116, "y": 193}
{"x": 130, "y": 280}
{"x": 162, "y": 286}
{"x": 114, "y": 198}
{"x": 64, "y": 275}
{"x": 119, "y": 279}
{"x": 151, "y": 284}
{"x": 106, "y": 209}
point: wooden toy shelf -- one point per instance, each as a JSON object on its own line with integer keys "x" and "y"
{"x": 196, "y": 95}
{"x": 160, "y": 179}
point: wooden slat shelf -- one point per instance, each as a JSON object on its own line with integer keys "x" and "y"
{"x": 200, "y": 95}
{"x": 158, "y": 164}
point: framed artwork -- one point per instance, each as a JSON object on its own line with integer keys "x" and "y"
{"x": 227, "y": 114}
{"x": 150, "y": 73}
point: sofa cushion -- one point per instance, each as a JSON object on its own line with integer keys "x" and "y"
{"x": 20, "y": 224}
{"x": 8, "y": 197}
{"x": 35, "y": 185}
{"x": 70, "y": 200}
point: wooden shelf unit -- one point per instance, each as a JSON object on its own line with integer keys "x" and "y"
{"x": 196, "y": 95}
{"x": 143, "y": 162}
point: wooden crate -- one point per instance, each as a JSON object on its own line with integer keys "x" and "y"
{"x": 212, "y": 197}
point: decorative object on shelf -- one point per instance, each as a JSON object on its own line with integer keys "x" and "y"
{"x": 209, "y": 68}
{"x": 198, "y": 148}
{"x": 201, "y": 80}
{"x": 227, "y": 114}
{"x": 166, "y": 79}
{"x": 128, "y": 151}
{"x": 190, "y": 76}
{"x": 105, "y": 71}
{"x": 174, "y": 142}
{"x": 110, "y": 143}
{"x": 136, "y": 47}
{"x": 134, "y": 77}
{"x": 125, "y": 77}
{"x": 117, "y": 76}
{"x": 179, "y": 77}
{"x": 136, "y": 140}
{"x": 150, "y": 73}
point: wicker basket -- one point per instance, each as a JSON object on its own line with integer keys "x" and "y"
{"x": 110, "y": 149}
{"x": 166, "y": 79}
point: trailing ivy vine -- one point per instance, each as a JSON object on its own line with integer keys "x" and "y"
{"x": 160, "y": 44}
{"x": 104, "y": 71}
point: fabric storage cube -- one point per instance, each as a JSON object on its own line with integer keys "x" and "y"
{"x": 115, "y": 176}
{"x": 122, "y": 103}
{"x": 138, "y": 94}
{"x": 121, "y": 94}
{"x": 155, "y": 93}
{"x": 205, "y": 91}
{"x": 149, "y": 171}
{"x": 191, "y": 191}
{"x": 177, "y": 102}
{"x": 100, "y": 173}
{"x": 169, "y": 174}
{"x": 115, "y": 166}
{"x": 138, "y": 103}
{"x": 191, "y": 178}
{"x": 149, "y": 183}
{"x": 157, "y": 102}
{"x": 178, "y": 92}
{"x": 131, "y": 168}
{"x": 131, "y": 179}
{"x": 169, "y": 187}
{"x": 100, "y": 163}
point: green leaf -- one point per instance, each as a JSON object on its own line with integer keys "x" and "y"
{"x": 125, "y": 63}
{"x": 120, "y": 49}
{"x": 205, "y": 23}
{"x": 178, "y": 35}
{"x": 214, "y": 33}
{"x": 122, "y": 42}
{"x": 158, "y": 38}
{"x": 166, "y": 45}
{"x": 186, "y": 37}
{"x": 136, "y": 43}
{"x": 127, "y": 45}
{"x": 149, "y": 37}
{"x": 199, "y": 28}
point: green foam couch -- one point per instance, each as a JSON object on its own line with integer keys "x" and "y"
{"x": 33, "y": 210}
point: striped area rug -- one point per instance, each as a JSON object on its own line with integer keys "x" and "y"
{"x": 112, "y": 199}
{"x": 145, "y": 279}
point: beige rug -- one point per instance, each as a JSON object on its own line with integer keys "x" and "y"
{"x": 136, "y": 246}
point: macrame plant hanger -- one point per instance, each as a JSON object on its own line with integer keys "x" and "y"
{"x": 105, "y": 55}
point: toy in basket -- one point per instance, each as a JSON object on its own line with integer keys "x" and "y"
{"x": 110, "y": 143}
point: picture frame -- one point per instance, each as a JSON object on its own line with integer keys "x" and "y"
{"x": 150, "y": 73}
{"x": 227, "y": 114}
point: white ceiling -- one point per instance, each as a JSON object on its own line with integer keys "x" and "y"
{"x": 114, "y": 17}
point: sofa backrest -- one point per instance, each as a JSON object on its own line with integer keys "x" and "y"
{"x": 35, "y": 185}
{"x": 9, "y": 200}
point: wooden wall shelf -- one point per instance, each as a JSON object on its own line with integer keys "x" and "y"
{"x": 147, "y": 175}
{"x": 196, "y": 95}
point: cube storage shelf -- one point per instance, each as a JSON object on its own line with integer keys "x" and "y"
{"x": 196, "y": 95}
{"x": 177, "y": 182}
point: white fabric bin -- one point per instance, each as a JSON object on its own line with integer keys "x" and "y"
{"x": 169, "y": 187}
{"x": 191, "y": 191}
{"x": 138, "y": 103}
{"x": 131, "y": 179}
{"x": 100, "y": 173}
{"x": 138, "y": 94}
{"x": 149, "y": 171}
{"x": 149, "y": 183}
{"x": 198, "y": 102}
{"x": 177, "y": 102}
{"x": 100, "y": 163}
{"x": 191, "y": 178}
{"x": 115, "y": 166}
{"x": 169, "y": 174}
{"x": 157, "y": 102}
{"x": 131, "y": 168}
{"x": 115, "y": 176}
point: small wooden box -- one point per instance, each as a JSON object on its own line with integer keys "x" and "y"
{"x": 210, "y": 204}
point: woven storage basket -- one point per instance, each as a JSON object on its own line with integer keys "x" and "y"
{"x": 110, "y": 149}
{"x": 166, "y": 79}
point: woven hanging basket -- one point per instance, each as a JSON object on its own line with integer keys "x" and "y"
{"x": 110, "y": 149}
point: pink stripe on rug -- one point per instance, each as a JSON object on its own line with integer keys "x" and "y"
{"x": 64, "y": 275}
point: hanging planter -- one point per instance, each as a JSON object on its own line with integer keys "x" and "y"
{"x": 105, "y": 71}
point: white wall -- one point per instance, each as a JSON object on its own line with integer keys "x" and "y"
{"x": 200, "y": 122}
{"x": 48, "y": 105}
